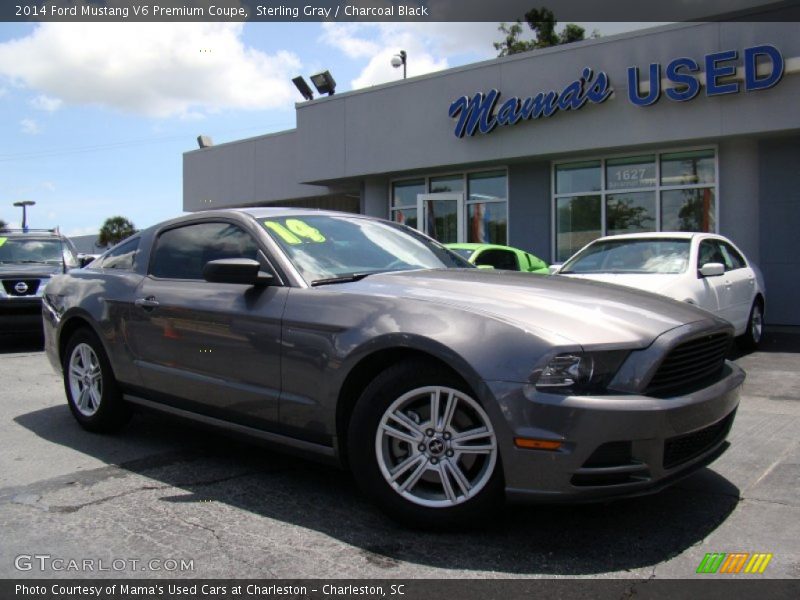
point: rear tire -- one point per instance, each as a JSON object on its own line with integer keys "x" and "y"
{"x": 425, "y": 472}
{"x": 754, "y": 333}
{"x": 92, "y": 391}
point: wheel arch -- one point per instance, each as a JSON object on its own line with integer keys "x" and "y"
{"x": 761, "y": 300}
{"x": 372, "y": 363}
{"x": 70, "y": 325}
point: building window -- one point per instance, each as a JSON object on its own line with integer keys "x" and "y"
{"x": 448, "y": 183}
{"x": 487, "y": 208}
{"x": 404, "y": 201}
{"x": 473, "y": 207}
{"x": 671, "y": 191}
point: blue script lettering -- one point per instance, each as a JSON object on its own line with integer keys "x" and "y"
{"x": 478, "y": 113}
{"x": 475, "y": 112}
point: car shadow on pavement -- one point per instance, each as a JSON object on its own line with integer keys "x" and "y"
{"x": 530, "y": 539}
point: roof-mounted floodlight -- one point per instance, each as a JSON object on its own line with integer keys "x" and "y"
{"x": 204, "y": 141}
{"x": 324, "y": 83}
{"x": 303, "y": 88}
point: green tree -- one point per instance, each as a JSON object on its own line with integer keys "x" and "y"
{"x": 114, "y": 230}
{"x": 543, "y": 24}
{"x": 511, "y": 43}
{"x": 3, "y": 224}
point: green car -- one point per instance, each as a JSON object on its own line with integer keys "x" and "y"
{"x": 500, "y": 257}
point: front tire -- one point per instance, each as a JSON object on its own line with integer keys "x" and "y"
{"x": 92, "y": 391}
{"x": 424, "y": 449}
{"x": 754, "y": 333}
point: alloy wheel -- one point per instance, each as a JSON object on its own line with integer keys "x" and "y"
{"x": 756, "y": 323}
{"x": 85, "y": 379}
{"x": 436, "y": 446}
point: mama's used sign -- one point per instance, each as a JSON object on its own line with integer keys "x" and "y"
{"x": 763, "y": 68}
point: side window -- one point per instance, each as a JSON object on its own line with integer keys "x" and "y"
{"x": 181, "y": 253}
{"x": 499, "y": 259}
{"x": 710, "y": 253}
{"x": 122, "y": 256}
{"x": 733, "y": 260}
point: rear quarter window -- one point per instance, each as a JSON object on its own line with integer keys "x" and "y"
{"x": 122, "y": 257}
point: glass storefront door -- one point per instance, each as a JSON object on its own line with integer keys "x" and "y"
{"x": 442, "y": 216}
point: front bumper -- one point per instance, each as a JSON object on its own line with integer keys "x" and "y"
{"x": 21, "y": 315}
{"x": 613, "y": 446}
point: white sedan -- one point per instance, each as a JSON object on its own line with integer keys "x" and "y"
{"x": 700, "y": 268}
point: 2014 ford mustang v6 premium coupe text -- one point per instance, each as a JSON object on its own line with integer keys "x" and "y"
{"x": 443, "y": 387}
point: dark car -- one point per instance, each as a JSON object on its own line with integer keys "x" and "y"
{"x": 363, "y": 342}
{"x": 28, "y": 259}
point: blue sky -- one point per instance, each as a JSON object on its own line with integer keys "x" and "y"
{"x": 95, "y": 117}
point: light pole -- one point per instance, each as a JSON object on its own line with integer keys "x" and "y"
{"x": 25, "y": 204}
{"x": 400, "y": 59}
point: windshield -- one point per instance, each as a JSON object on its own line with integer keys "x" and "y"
{"x": 631, "y": 256}
{"x": 462, "y": 252}
{"x": 30, "y": 250}
{"x": 326, "y": 247}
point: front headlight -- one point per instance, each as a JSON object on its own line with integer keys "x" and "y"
{"x": 580, "y": 372}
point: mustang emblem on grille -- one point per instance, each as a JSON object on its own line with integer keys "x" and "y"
{"x": 21, "y": 287}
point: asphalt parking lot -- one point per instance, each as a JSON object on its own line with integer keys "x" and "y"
{"x": 163, "y": 491}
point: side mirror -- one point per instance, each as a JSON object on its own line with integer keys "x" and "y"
{"x": 712, "y": 269}
{"x": 553, "y": 268}
{"x": 245, "y": 271}
{"x": 86, "y": 259}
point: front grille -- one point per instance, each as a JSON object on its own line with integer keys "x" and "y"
{"x": 690, "y": 364}
{"x": 31, "y": 285}
{"x": 682, "y": 448}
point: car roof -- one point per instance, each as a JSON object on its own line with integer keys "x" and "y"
{"x": 257, "y": 212}
{"x": 655, "y": 235}
{"x": 31, "y": 233}
{"x": 479, "y": 246}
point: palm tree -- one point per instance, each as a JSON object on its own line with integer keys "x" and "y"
{"x": 114, "y": 230}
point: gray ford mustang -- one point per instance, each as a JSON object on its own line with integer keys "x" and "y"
{"x": 441, "y": 386}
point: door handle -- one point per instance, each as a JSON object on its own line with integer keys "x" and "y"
{"x": 148, "y": 303}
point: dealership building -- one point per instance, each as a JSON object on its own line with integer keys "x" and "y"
{"x": 683, "y": 127}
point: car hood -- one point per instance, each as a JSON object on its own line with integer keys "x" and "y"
{"x": 583, "y": 312}
{"x": 32, "y": 270}
{"x": 649, "y": 282}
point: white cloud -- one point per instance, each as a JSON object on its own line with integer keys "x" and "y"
{"x": 49, "y": 186}
{"x": 46, "y": 103}
{"x": 30, "y": 126}
{"x": 344, "y": 36}
{"x": 380, "y": 70}
{"x": 155, "y": 69}
{"x": 430, "y": 46}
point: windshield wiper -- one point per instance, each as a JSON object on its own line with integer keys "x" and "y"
{"x": 343, "y": 278}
